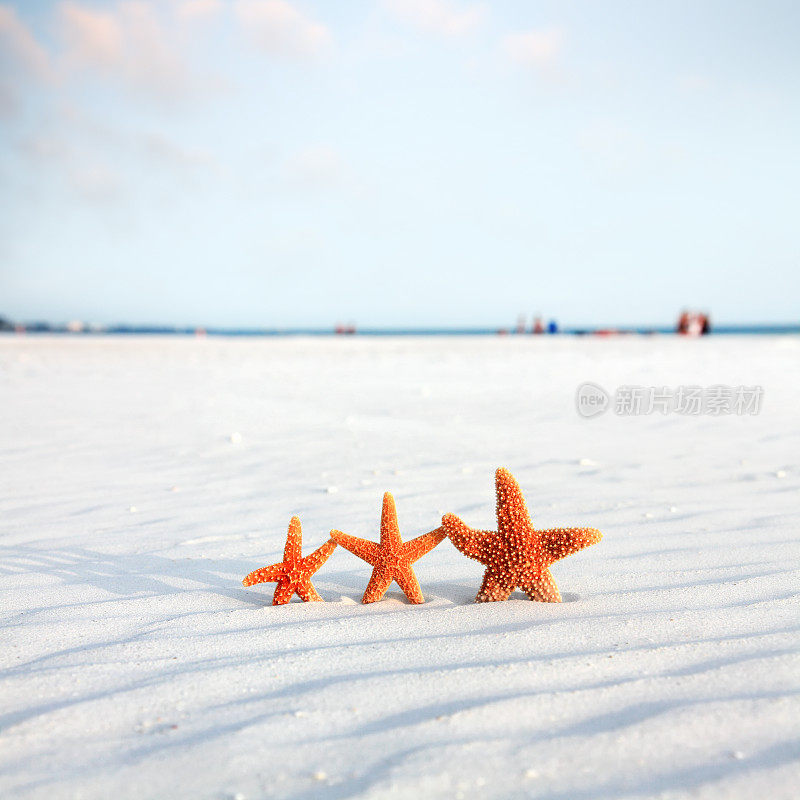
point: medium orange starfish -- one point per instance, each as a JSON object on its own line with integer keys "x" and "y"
{"x": 516, "y": 555}
{"x": 392, "y": 558}
{"x": 293, "y": 574}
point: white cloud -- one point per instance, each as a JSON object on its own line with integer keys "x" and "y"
{"x": 96, "y": 135}
{"x": 151, "y": 54}
{"x": 198, "y": 10}
{"x": 166, "y": 151}
{"x": 127, "y": 42}
{"x": 92, "y": 38}
{"x": 93, "y": 158}
{"x": 695, "y": 83}
{"x": 438, "y": 16}
{"x": 613, "y": 147}
{"x": 8, "y": 100}
{"x": 19, "y": 48}
{"x": 318, "y": 166}
{"x": 280, "y": 29}
{"x": 538, "y": 48}
{"x": 96, "y": 183}
{"x": 43, "y": 147}
{"x": 83, "y": 169}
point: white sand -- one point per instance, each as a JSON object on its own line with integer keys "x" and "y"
{"x": 141, "y": 479}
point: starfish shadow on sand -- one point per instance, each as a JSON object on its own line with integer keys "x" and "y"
{"x": 128, "y": 574}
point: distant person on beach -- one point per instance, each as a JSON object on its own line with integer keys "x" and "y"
{"x": 693, "y": 323}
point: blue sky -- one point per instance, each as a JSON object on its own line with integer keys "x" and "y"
{"x": 399, "y": 162}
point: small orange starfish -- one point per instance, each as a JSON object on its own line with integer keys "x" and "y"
{"x": 392, "y": 558}
{"x": 293, "y": 574}
{"x": 516, "y": 555}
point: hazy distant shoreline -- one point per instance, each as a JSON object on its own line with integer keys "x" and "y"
{"x": 124, "y": 330}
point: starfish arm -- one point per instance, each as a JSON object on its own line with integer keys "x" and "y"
{"x": 265, "y": 575}
{"x": 377, "y": 586}
{"x": 421, "y": 545}
{"x": 283, "y": 592}
{"x": 307, "y": 591}
{"x": 472, "y": 543}
{"x": 390, "y": 532}
{"x": 294, "y": 541}
{"x": 542, "y": 588}
{"x": 512, "y": 513}
{"x": 311, "y": 563}
{"x": 560, "y": 542}
{"x": 407, "y": 581}
{"x": 364, "y": 549}
{"x": 493, "y": 588}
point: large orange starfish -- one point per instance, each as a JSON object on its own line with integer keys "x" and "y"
{"x": 391, "y": 560}
{"x": 516, "y": 555}
{"x": 293, "y": 574}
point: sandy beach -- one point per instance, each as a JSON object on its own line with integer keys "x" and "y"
{"x": 142, "y": 478}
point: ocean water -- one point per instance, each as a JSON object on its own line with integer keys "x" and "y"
{"x": 139, "y": 330}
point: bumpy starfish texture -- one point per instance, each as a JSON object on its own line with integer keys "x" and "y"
{"x": 391, "y": 559}
{"x": 516, "y": 555}
{"x": 293, "y": 574}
